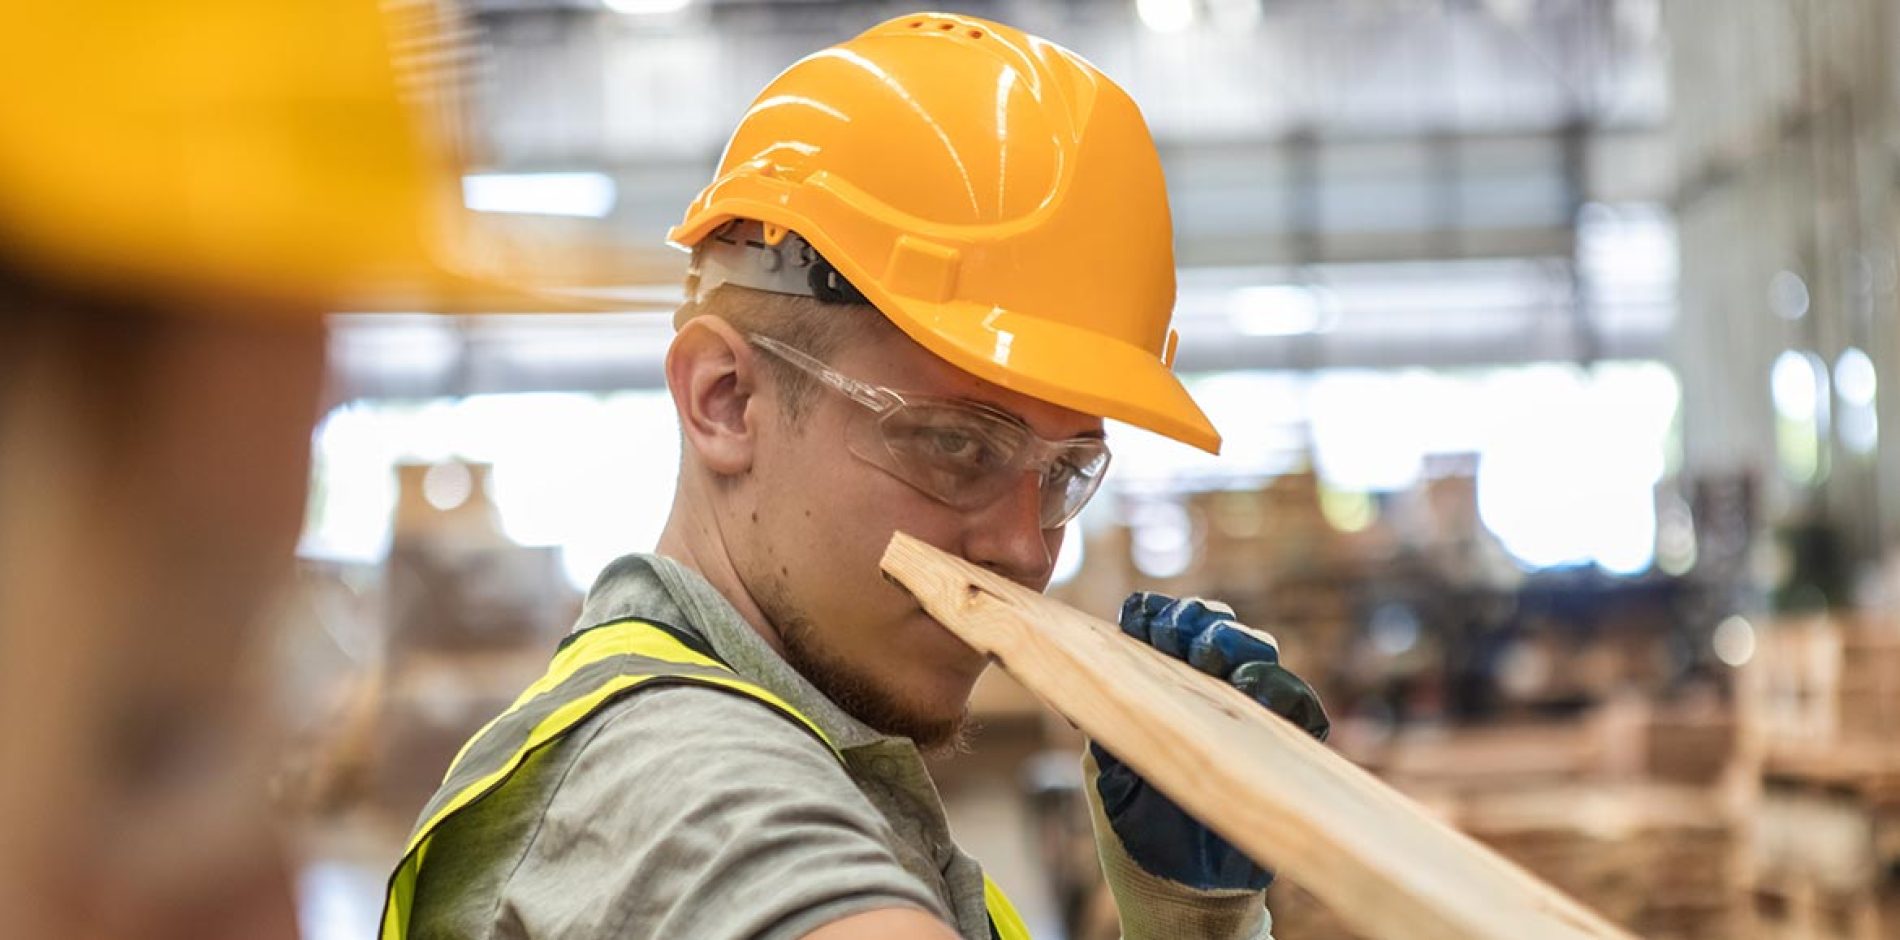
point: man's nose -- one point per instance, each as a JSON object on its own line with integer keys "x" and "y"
{"x": 1007, "y": 536}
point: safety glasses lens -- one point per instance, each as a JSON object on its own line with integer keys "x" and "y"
{"x": 968, "y": 458}
{"x": 963, "y": 457}
{"x": 1071, "y": 480}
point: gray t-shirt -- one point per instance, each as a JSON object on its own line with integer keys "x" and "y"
{"x": 688, "y": 812}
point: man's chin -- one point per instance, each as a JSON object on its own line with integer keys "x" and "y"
{"x": 933, "y": 727}
{"x": 935, "y": 737}
{"x": 933, "y": 710}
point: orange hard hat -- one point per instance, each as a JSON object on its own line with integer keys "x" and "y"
{"x": 992, "y": 193}
{"x": 257, "y": 149}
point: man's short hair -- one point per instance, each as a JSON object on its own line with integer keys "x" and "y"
{"x": 816, "y": 327}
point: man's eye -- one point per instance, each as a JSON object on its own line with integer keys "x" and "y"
{"x": 1061, "y": 471}
{"x": 954, "y": 445}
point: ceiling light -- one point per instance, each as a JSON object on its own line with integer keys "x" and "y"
{"x": 1281, "y": 310}
{"x": 590, "y": 195}
{"x": 646, "y": 7}
{"x": 1166, "y": 16}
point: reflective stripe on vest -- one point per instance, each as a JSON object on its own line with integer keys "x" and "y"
{"x": 593, "y": 669}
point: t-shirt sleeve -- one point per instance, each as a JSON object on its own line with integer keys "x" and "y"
{"x": 695, "y": 812}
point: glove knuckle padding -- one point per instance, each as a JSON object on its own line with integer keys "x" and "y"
{"x": 1226, "y": 646}
{"x": 1138, "y": 613}
{"x": 1181, "y": 623}
{"x": 1284, "y": 694}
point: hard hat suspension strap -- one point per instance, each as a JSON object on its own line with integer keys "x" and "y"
{"x": 741, "y": 253}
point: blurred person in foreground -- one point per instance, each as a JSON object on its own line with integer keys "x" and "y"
{"x": 185, "y": 187}
{"x": 934, "y": 260}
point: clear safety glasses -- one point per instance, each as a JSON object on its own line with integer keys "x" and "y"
{"x": 963, "y": 454}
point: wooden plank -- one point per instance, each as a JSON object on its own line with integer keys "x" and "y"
{"x": 1380, "y": 861}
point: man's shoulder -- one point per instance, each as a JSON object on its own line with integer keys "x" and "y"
{"x": 635, "y": 587}
{"x": 670, "y": 720}
{"x": 637, "y": 810}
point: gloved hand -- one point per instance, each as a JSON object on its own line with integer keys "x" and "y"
{"x": 1161, "y": 838}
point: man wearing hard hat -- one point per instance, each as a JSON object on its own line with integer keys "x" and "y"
{"x": 934, "y": 259}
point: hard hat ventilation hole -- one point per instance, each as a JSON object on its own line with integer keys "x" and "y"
{"x": 916, "y": 23}
{"x": 976, "y": 34}
{"x": 946, "y": 26}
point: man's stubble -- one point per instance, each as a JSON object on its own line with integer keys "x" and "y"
{"x": 849, "y": 687}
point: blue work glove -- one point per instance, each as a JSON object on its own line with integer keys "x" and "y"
{"x": 1162, "y": 838}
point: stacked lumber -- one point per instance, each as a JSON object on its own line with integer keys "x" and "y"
{"x": 1464, "y": 763}
{"x": 1689, "y": 747}
{"x": 1596, "y": 807}
{"x": 1868, "y": 698}
{"x": 1829, "y": 678}
{"x": 1660, "y": 860}
{"x": 1827, "y": 840}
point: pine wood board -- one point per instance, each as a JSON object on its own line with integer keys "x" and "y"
{"x": 1380, "y": 861}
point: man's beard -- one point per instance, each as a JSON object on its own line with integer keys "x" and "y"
{"x": 858, "y": 694}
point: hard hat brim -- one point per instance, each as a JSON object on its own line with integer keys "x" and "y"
{"x": 1056, "y": 363}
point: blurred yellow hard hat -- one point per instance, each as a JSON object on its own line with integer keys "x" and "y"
{"x": 252, "y": 147}
{"x": 992, "y": 193}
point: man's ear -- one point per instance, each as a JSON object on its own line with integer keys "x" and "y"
{"x": 713, "y": 376}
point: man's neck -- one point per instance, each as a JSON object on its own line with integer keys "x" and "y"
{"x": 694, "y": 537}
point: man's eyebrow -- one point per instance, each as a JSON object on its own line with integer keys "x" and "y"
{"x": 1092, "y": 434}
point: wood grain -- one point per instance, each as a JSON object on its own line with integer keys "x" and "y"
{"x": 1380, "y": 861}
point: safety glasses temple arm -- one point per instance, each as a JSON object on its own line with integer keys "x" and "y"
{"x": 874, "y": 397}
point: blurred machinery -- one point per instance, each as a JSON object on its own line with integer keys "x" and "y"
{"x": 435, "y": 640}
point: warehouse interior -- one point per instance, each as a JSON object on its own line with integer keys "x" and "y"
{"x": 1550, "y": 340}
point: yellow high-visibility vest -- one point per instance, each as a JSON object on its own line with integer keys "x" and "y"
{"x": 593, "y": 669}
